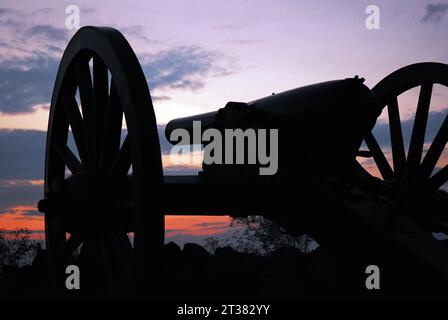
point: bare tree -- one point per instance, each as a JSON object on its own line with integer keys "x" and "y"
{"x": 16, "y": 247}
{"x": 258, "y": 235}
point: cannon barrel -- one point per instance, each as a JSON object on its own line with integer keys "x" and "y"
{"x": 319, "y": 126}
{"x": 207, "y": 121}
{"x": 340, "y": 103}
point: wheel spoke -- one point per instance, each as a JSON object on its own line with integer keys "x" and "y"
{"x": 398, "y": 154}
{"x": 100, "y": 86}
{"x": 86, "y": 94}
{"x": 72, "y": 243}
{"x": 118, "y": 257}
{"x": 78, "y": 129}
{"x": 434, "y": 152}
{"x": 378, "y": 156}
{"x": 122, "y": 162}
{"x": 419, "y": 128}
{"x": 108, "y": 263}
{"x": 69, "y": 158}
{"x": 111, "y": 139}
{"x": 123, "y": 250}
{"x": 440, "y": 178}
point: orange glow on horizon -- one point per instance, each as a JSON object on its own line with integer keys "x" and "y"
{"x": 17, "y": 218}
{"x": 196, "y": 225}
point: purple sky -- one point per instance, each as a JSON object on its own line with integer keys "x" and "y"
{"x": 216, "y": 51}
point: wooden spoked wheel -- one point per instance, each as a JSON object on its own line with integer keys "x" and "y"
{"x": 413, "y": 170}
{"x": 92, "y": 201}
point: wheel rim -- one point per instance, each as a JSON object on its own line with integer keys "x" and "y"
{"x": 100, "y": 173}
{"x": 412, "y": 169}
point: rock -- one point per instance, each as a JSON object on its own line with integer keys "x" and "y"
{"x": 276, "y": 268}
{"x": 283, "y": 288}
{"x": 287, "y": 254}
{"x": 171, "y": 250}
{"x": 227, "y": 253}
{"x": 194, "y": 254}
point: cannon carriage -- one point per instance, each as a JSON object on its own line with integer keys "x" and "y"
{"x": 111, "y": 185}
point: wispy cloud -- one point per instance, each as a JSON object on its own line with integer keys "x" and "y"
{"x": 435, "y": 12}
{"x": 47, "y": 32}
{"x": 184, "y": 67}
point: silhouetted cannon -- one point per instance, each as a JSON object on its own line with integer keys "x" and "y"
{"x": 314, "y": 123}
{"x": 109, "y": 186}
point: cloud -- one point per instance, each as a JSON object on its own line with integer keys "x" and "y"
{"x": 19, "y": 193}
{"x": 8, "y": 12}
{"x": 435, "y": 12}
{"x": 26, "y": 83}
{"x": 211, "y": 224}
{"x": 47, "y": 32}
{"x": 160, "y": 98}
{"x": 30, "y": 54}
{"x": 135, "y": 31}
{"x": 167, "y": 231}
{"x": 22, "y": 162}
{"x": 26, "y": 38}
{"x": 22, "y": 155}
{"x": 32, "y": 213}
{"x": 184, "y": 67}
{"x": 435, "y": 119}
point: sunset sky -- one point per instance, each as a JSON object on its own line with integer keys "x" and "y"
{"x": 197, "y": 55}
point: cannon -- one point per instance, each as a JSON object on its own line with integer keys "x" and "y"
{"x": 111, "y": 185}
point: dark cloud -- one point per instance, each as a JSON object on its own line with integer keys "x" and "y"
{"x": 19, "y": 192}
{"x": 47, "y": 32}
{"x": 435, "y": 12}
{"x": 435, "y": 119}
{"x": 31, "y": 54}
{"x": 10, "y": 23}
{"x": 28, "y": 215}
{"x": 26, "y": 83}
{"x": 174, "y": 230}
{"x": 22, "y": 154}
{"x": 8, "y": 12}
{"x": 211, "y": 224}
{"x": 32, "y": 213}
{"x": 184, "y": 67}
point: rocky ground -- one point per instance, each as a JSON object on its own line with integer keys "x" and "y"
{"x": 227, "y": 274}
